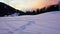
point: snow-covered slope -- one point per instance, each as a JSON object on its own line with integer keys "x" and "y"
{"x": 47, "y": 23}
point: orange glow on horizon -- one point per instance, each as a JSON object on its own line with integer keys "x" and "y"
{"x": 45, "y": 3}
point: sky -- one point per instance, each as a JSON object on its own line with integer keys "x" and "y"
{"x": 29, "y": 4}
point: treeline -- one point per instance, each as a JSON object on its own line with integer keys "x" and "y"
{"x": 8, "y": 10}
{"x": 43, "y": 10}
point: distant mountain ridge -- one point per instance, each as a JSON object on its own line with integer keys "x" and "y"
{"x": 8, "y": 10}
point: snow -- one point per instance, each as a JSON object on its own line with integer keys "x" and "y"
{"x": 47, "y": 23}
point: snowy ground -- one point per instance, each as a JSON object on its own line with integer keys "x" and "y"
{"x": 47, "y": 23}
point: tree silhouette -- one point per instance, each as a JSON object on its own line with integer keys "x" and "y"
{"x": 53, "y": 8}
{"x": 59, "y": 5}
{"x": 43, "y": 10}
{"x": 8, "y": 10}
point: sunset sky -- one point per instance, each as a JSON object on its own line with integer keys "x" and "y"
{"x": 27, "y": 4}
